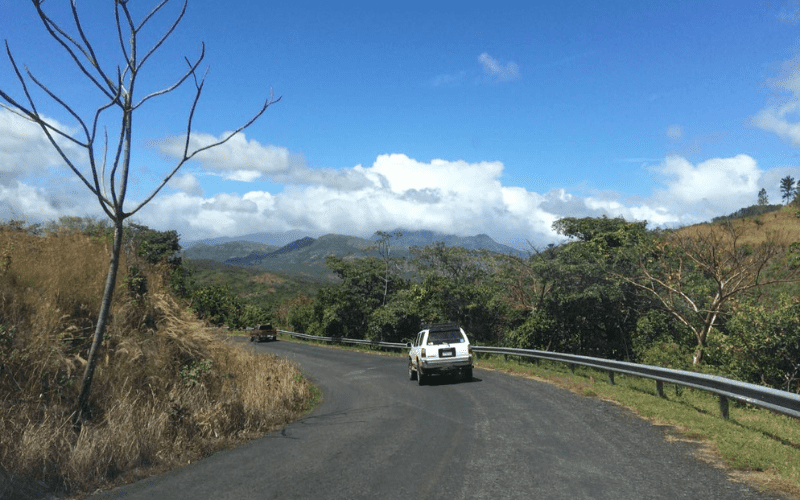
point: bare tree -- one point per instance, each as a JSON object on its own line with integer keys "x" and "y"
{"x": 693, "y": 274}
{"x": 109, "y": 163}
{"x": 384, "y": 248}
{"x": 529, "y": 281}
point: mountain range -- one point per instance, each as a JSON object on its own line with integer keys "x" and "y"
{"x": 306, "y": 255}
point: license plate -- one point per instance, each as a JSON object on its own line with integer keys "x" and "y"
{"x": 447, "y": 353}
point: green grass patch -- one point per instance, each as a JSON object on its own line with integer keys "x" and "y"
{"x": 315, "y": 399}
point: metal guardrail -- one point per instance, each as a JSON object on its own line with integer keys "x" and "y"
{"x": 783, "y": 402}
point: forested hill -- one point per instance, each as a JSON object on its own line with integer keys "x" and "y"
{"x": 306, "y": 256}
{"x": 226, "y": 251}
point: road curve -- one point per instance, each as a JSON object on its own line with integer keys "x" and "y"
{"x": 379, "y": 435}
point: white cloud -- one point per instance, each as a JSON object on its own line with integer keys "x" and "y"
{"x": 448, "y": 196}
{"x": 237, "y": 159}
{"x": 187, "y": 183}
{"x": 778, "y": 118}
{"x": 26, "y": 151}
{"x": 494, "y": 68}
{"x": 248, "y": 161}
{"x": 713, "y": 187}
{"x": 455, "y": 197}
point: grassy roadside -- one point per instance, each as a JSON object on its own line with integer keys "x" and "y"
{"x": 166, "y": 390}
{"x": 754, "y": 445}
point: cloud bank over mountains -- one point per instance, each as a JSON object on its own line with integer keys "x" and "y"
{"x": 450, "y": 196}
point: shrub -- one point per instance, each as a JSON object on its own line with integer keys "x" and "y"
{"x": 763, "y": 343}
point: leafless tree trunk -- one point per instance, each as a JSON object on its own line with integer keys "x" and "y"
{"x": 384, "y": 248}
{"x": 109, "y": 169}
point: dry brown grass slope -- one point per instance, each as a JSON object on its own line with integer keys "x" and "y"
{"x": 166, "y": 391}
{"x": 782, "y": 225}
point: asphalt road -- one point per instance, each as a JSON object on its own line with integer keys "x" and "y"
{"x": 378, "y": 435}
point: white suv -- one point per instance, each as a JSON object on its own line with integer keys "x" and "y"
{"x": 441, "y": 348}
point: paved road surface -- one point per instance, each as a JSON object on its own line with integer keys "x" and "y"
{"x": 378, "y": 435}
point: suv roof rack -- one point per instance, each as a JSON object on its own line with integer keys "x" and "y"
{"x": 440, "y": 327}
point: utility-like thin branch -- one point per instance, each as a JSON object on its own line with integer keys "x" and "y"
{"x": 120, "y": 37}
{"x": 34, "y": 115}
{"x": 92, "y": 56}
{"x": 166, "y": 35}
{"x": 153, "y": 12}
{"x": 269, "y": 102}
{"x": 190, "y": 72}
{"x": 31, "y": 114}
{"x": 62, "y": 103}
{"x": 55, "y": 31}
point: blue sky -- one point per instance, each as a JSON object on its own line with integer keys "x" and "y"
{"x": 461, "y": 118}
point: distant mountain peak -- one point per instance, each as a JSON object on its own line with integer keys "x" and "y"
{"x": 291, "y": 247}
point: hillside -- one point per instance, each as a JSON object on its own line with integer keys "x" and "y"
{"x": 251, "y": 284}
{"x": 225, "y": 251}
{"x": 782, "y": 224}
{"x": 166, "y": 391}
{"x": 305, "y": 258}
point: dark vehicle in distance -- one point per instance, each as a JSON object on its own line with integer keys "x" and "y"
{"x": 262, "y": 333}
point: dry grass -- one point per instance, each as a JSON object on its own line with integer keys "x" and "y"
{"x": 782, "y": 226}
{"x": 165, "y": 392}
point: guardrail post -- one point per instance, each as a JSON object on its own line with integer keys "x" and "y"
{"x": 723, "y": 406}
{"x": 572, "y": 368}
{"x": 660, "y": 388}
{"x": 611, "y": 377}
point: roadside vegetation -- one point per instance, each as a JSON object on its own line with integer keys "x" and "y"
{"x": 167, "y": 391}
{"x": 719, "y": 298}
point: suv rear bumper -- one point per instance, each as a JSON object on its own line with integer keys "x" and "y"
{"x": 443, "y": 365}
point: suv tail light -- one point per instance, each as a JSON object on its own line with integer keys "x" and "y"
{"x": 423, "y": 352}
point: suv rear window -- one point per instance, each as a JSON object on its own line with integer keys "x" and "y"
{"x": 445, "y": 337}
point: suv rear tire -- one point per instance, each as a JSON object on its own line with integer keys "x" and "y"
{"x": 412, "y": 375}
{"x": 421, "y": 377}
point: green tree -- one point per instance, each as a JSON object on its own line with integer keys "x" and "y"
{"x": 344, "y": 310}
{"x": 457, "y": 284}
{"x": 593, "y": 310}
{"x": 109, "y": 162}
{"x": 217, "y": 304}
{"x": 787, "y": 189}
{"x": 762, "y": 197}
{"x": 762, "y": 344}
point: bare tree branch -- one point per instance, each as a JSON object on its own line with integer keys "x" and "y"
{"x": 269, "y": 102}
{"x": 190, "y": 72}
{"x": 57, "y": 33}
{"x": 166, "y": 35}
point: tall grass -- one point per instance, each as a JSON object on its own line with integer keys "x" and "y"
{"x": 165, "y": 391}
